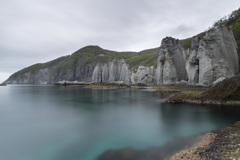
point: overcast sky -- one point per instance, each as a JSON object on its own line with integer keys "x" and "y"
{"x": 36, "y": 31}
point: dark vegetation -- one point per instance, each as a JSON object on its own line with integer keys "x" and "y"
{"x": 226, "y": 90}
{"x": 186, "y": 43}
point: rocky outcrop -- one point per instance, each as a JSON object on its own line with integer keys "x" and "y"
{"x": 43, "y": 76}
{"x": 225, "y": 92}
{"x": 116, "y": 71}
{"x": 192, "y": 63}
{"x": 171, "y": 64}
{"x": 209, "y": 58}
{"x": 217, "y": 55}
{"x": 222, "y": 144}
{"x": 51, "y": 75}
{"x": 212, "y": 57}
{"x": 97, "y": 73}
{"x": 78, "y": 66}
{"x": 144, "y": 75}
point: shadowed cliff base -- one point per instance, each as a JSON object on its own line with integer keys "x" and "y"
{"x": 226, "y": 92}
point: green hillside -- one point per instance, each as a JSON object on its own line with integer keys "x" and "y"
{"x": 92, "y": 55}
{"x": 232, "y": 21}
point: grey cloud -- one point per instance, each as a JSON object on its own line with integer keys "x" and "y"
{"x": 181, "y": 30}
{"x": 40, "y": 30}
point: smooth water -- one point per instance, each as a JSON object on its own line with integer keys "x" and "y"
{"x": 59, "y": 123}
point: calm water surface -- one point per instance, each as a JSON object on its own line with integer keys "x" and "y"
{"x": 59, "y": 123}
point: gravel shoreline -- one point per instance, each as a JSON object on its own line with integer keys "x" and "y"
{"x": 190, "y": 153}
{"x": 221, "y": 144}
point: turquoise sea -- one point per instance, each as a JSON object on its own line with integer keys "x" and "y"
{"x": 75, "y": 123}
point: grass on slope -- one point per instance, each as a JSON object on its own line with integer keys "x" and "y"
{"x": 236, "y": 32}
{"x": 92, "y": 55}
{"x": 32, "y": 69}
{"x": 224, "y": 90}
{"x": 186, "y": 43}
{"x": 145, "y": 58}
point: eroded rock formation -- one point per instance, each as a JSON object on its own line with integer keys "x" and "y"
{"x": 210, "y": 57}
{"x": 144, "y": 75}
{"x": 171, "y": 66}
{"x": 116, "y": 71}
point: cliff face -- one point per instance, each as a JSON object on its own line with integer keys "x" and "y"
{"x": 50, "y": 75}
{"x": 144, "y": 75}
{"x": 116, "y": 71}
{"x": 208, "y": 59}
{"x": 171, "y": 64}
{"x": 212, "y": 57}
{"x": 80, "y": 65}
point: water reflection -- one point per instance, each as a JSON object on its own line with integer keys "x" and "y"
{"x": 54, "y": 123}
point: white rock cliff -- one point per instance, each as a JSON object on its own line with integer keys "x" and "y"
{"x": 209, "y": 58}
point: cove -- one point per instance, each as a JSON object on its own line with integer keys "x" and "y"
{"x": 58, "y": 123}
